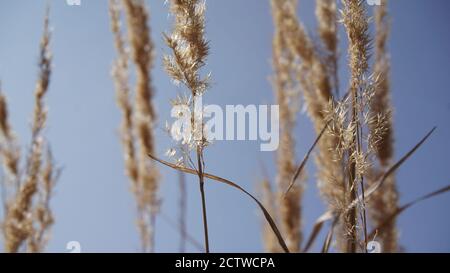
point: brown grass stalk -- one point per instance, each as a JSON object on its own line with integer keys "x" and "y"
{"x": 385, "y": 201}
{"x": 356, "y": 22}
{"x": 42, "y": 211}
{"x": 286, "y": 92}
{"x": 138, "y": 118}
{"x": 182, "y": 205}
{"x": 316, "y": 80}
{"x": 326, "y": 13}
{"x": 10, "y": 153}
{"x": 269, "y": 202}
{"x": 28, "y": 216}
{"x": 344, "y": 152}
{"x": 189, "y": 52}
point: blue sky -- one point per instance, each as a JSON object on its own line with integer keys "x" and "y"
{"x": 92, "y": 202}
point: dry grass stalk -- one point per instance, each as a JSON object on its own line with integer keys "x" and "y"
{"x": 312, "y": 66}
{"x": 138, "y": 119}
{"x": 42, "y": 212}
{"x": 182, "y": 205}
{"x": 368, "y": 127}
{"x": 381, "y": 103}
{"x": 268, "y": 200}
{"x": 28, "y": 216}
{"x": 317, "y": 80}
{"x": 188, "y": 44}
{"x": 326, "y": 13}
{"x": 120, "y": 75}
{"x": 189, "y": 52}
{"x": 316, "y": 86}
{"x": 346, "y": 148}
{"x": 286, "y": 92}
{"x": 10, "y": 152}
{"x": 356, "y": 23}
{"x": 142, "y": 55}
{"x": 385, "y": 201}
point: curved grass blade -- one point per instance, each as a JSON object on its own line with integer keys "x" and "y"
{"x": 234, "y": 185}
{"x": 305, "y": 159}
{"x": 329, "y": 215}
{"x": 389, "y": 172}
{"x": 401, "y": 209}
{"x": 316, "y": 229}
{"x": 329, "y": 238}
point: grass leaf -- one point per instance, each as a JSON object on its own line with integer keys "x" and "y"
{"x": 305, "y": 159}
{"x": 234, "y": 185}
{"x": 389, "y": 172}
{"x": 401, "y": 209}
{"x": 316, "y": 229}
{"x": 329, "y": 238}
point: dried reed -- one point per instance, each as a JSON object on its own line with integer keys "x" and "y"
{"x": 10, "y": 152}
{"x": 182, "y": 205}
{"x": 355, "y": 130}
{"x": 189, "y": 52}
{"x": 385, "y": 201}
{"x": 28, "y": 217}
{"x": 317, "y": 80}
{"x": 327, "y": 19}
{"x": 138, "y": 118}
{"x": 286, "y": 91}
{"x": 356, "y": 22}
{"x": 269, "y": 202}
{"x": 355, "y": 133}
